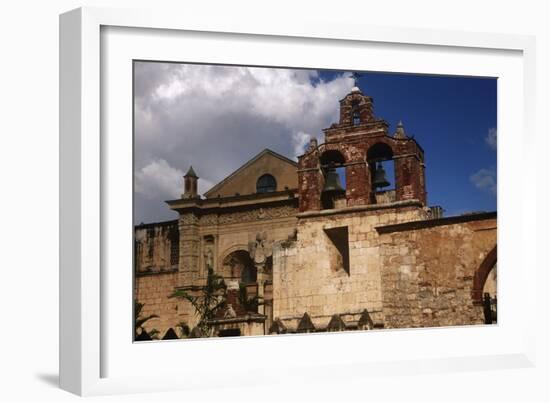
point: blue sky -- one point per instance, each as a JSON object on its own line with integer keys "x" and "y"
{"x": 218, "y": 117}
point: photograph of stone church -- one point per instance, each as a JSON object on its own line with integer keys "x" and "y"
{"x": 278, "y": 201}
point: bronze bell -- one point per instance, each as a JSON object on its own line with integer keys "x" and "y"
{"x": 380, "y": 180}
{"x": 332, "y": 181}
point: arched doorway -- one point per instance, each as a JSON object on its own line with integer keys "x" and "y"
{"x": 239, "y": 266}
{"x": 484, "y": 291}
{"x": 242, "y": 276}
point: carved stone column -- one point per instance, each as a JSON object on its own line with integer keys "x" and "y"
{"x": 262, "y": 277}
{"x": 189, "y": 250}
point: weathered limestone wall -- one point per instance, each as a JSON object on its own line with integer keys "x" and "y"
{"x": 153, "y": 291}
{"x": 427, "y": 273}
{"x": 246, "y": 327}
{"x": 156, "y": 247}
{"x": 405, "y": 270}
{"x": 307, "y": 277}
{"x": 189, "y": 252}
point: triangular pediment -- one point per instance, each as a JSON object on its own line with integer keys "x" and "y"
{"x": 243, "y": 181}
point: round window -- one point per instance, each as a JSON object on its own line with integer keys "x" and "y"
{"x": 266, "y": 183}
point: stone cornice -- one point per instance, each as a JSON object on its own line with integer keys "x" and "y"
{"x": 156, "y": 224}
{"x": 156, "y": 272}
{"x": 251, "y": 317}
{"x": 234, "y": 203}
{"x": 355, "y": 209}
{"x": 414, "y": 225}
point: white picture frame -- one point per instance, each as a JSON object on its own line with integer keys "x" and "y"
{"x": 87, "y": 195}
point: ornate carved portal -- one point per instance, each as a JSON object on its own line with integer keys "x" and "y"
{"x": 239, "y": 267}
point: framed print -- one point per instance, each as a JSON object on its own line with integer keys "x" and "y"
{"x": 232, "y": 192}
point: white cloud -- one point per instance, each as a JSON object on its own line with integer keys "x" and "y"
{"x": 485, "y": 179}
{"x": 218, "y": 117}
{"x": 299, "y": 142}
{"x": 491, "y": 138}
{"x": 158, "y": 179}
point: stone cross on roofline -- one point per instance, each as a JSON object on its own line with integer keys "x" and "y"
{"x": 355, "y": 75}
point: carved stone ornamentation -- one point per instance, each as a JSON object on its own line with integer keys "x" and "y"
{"x": 260, "y": 249}
{"x": 209, "y": 256}
{"x": 189, "y": 219}
{"x": 257, "y": 214}
{"x": 230, "y": 312}
{"x": 209, "y": 219}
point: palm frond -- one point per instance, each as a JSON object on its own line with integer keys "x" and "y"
{"x": 208, "y": 299}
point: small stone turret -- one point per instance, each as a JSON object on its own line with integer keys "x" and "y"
{"x": 190, "y": 184}
{"x": 400, "y": 131}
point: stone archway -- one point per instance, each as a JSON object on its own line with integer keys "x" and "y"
{"x": 481, "y": 274}
{"x": 241, "y": 278}
{"x": 237, "y": 265}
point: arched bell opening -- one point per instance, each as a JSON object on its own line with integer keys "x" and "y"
{"x": 333, "y": 168}
{"x": 382, "y": 173}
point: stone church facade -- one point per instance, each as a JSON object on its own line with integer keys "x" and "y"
{"x": 320, "y": 244}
